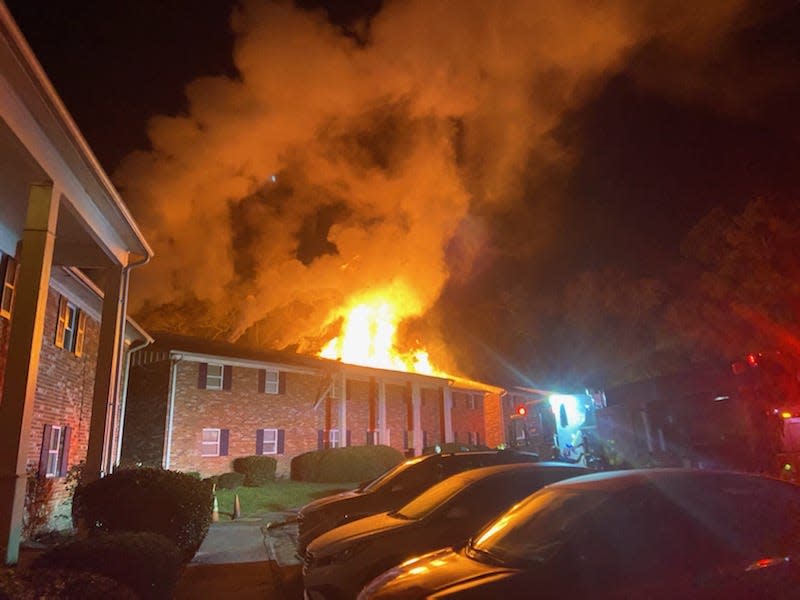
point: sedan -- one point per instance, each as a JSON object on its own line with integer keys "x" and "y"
{"x": 665, "y": 533}
{"x": 338, "y": 563}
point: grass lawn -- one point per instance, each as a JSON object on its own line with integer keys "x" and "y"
{"x": 276, "y": 496}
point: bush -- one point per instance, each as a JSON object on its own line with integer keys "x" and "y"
{"x": 257, "y": 470}
{"x": 35, "y": 584}
{"x": 454, "y": 447}
{"x": 355, "y": 463}
{"x": 147, "y": 563}
{"x": 172, "y": 504}
{"x": 230, "y": 481}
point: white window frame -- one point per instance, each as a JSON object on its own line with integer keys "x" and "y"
{"x": 54, "y": 445}
{"x": 214, "y": 381}
{"x": 9, "y": 287}
{"x": 333, "y": 438}
{"x": 70, "y": 327}
{"x": 204, "y": 443}
{"x": 270, "y": 386}
{"x": 265, "y": 441}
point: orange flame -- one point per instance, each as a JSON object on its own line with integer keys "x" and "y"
{"x": 369, "y": 329}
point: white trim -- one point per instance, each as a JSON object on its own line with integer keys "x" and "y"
{"x": 264, "y": 441}
{"x": 173, "y": 367}
{"x": 215, "y": 377}
{"x": 239, "y": 362}
{"x": 203, "y": 442}
{"x": 270, "y": 385}
{"x": 57, "y": 432}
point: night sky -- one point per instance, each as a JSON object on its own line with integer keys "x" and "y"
{"x": 614, "y": 152}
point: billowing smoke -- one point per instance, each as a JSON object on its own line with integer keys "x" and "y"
{"x": 334, "y": 166}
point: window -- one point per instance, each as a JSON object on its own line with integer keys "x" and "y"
{"x": 470, "y": 401}
{"x": 71, "y": 327}
{"x": 9, "y": 286}
{"x": 54, "y": 453}
{"x": 214, "y": 442}
{"x": 269, "y": 441}
{"x": 271, "y": 381}
{"x": 333, "y": 438}
{"x": 215, "y": 376}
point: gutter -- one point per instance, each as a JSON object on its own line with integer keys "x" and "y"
{"x": 123, "y": 400}
{"x": 173, "y": 374}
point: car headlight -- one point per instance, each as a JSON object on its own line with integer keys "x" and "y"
{"x": 342, "y": 555}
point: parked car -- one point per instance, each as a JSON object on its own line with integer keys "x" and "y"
{"x": 338, "y": 563}
{"x": 626, "y": 534}
{"x": 393, "y": 489}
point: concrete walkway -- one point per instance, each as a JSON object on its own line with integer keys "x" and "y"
{"x": 244, "y": 559}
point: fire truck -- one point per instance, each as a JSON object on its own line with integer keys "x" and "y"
{"x": 743, "y": 415}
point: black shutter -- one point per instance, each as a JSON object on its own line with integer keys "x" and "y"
{"x": 223, "y": 442}
{"x": 320, "y": 439}
{"x": 202, "y": 376}
{"x": 281, "y": 382}
{"x": 44, "y": 451}
{"x": 405, "y": 438}
{"x": 262, "y": 381}
{"x": 348, "y": 438}
{"x": 259, "y": 441}
{"x": 370, "y": 439}
{"x": 227, "y": 377}
{"x": 63, "y": 465}
{"x": 281, "y": 441}
{"x": 477, "y": 439}
{"x": 424, "y": 439}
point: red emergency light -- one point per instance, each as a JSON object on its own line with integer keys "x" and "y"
{"x": 521, "y": 410}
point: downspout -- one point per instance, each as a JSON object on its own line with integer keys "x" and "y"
{"x": 123, "y": 400}
{"x": 110, "y": 460}
{"x": 173, "y": 374}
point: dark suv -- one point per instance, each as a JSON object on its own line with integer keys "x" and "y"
{"x": 394, "y": 488}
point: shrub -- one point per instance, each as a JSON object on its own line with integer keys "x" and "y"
{"x": 453, "y": 447}
{"x": 175, "y": 505}
{"x": 35, "y": 584}
{"x": 38, "y": 507}
{"x": 355, "y": 463}
{"x": 257, "y": 470}
{"x": 230, "y": 481}
{"x": 195, "y": 474}
{"x": 147, "y": 563}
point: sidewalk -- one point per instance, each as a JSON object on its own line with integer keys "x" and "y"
{"x": 245, "y": 559}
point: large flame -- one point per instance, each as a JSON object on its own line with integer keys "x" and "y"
{"x": 368, "y": 332}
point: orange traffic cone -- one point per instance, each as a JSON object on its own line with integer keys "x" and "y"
{"x": 237, "y": 510}
{"x": 215, "y": 509}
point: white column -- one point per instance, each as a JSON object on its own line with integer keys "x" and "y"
{"x": 447, "y": 410}
{"x": 416, "y": 406}
{"x": 106, "y": 374}
{"x": 22, "y": 365}
{"x": 382, "y": 421}
{"x": 343, "y": 413}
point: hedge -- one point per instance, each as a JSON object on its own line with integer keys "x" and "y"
{"x": 38, "y": 584}
{"x": 339, "y": 465}
{"x": 230, "y": 481}
{"x": 257, "y": 470}
{"x": 173, "y": 504}
{"x": 147, "y": 563}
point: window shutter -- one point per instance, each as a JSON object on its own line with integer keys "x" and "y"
{"x": 281, "y": 441}
{"x": 80, "y": 334}
{"x": 202, "y": 376}
{"x": 63, "y": 466}
{"x": 370, "y": 439}
{"x": 320, "y": 439}
{"x": 348, "y": 438}
{"x": 405, "y": 438}
{"x": 424, "y": 439}
{"x": 477, "y": 438}
{"x": 262, "y": 381}
{"x": 223, "y": 442}
{"x": 281, "y": 382}
{"x": 62, "y": 321}
{"x": 44, "y": 451}
{"x": 227, "y": 377}
{"x": 259, "y": 441}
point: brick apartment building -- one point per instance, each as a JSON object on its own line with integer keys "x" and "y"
{"x": 195, "y": 405}
{"x": 67, "y": 244}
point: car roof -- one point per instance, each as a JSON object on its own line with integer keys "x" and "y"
{"x": 615, "y": 481}
{"x": 473, "y": 475}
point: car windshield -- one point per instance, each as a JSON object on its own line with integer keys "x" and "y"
{"x": 431, "y": 499}
{"x": 533, "y": 530}
{"x": 390, "y": 475}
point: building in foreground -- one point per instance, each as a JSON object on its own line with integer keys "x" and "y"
{"x": 67, "y": 245}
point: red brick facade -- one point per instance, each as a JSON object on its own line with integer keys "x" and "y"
{"x": 306, "y": 408}
{"x": 64, "y": 391}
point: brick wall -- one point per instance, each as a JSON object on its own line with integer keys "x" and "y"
{"x": 241, "y": 410}
{"x": 431, "y": 417}
{"x": 468, "y": 417}
{"x": 146, "y": 415}
{"x": 64, "y": 391}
